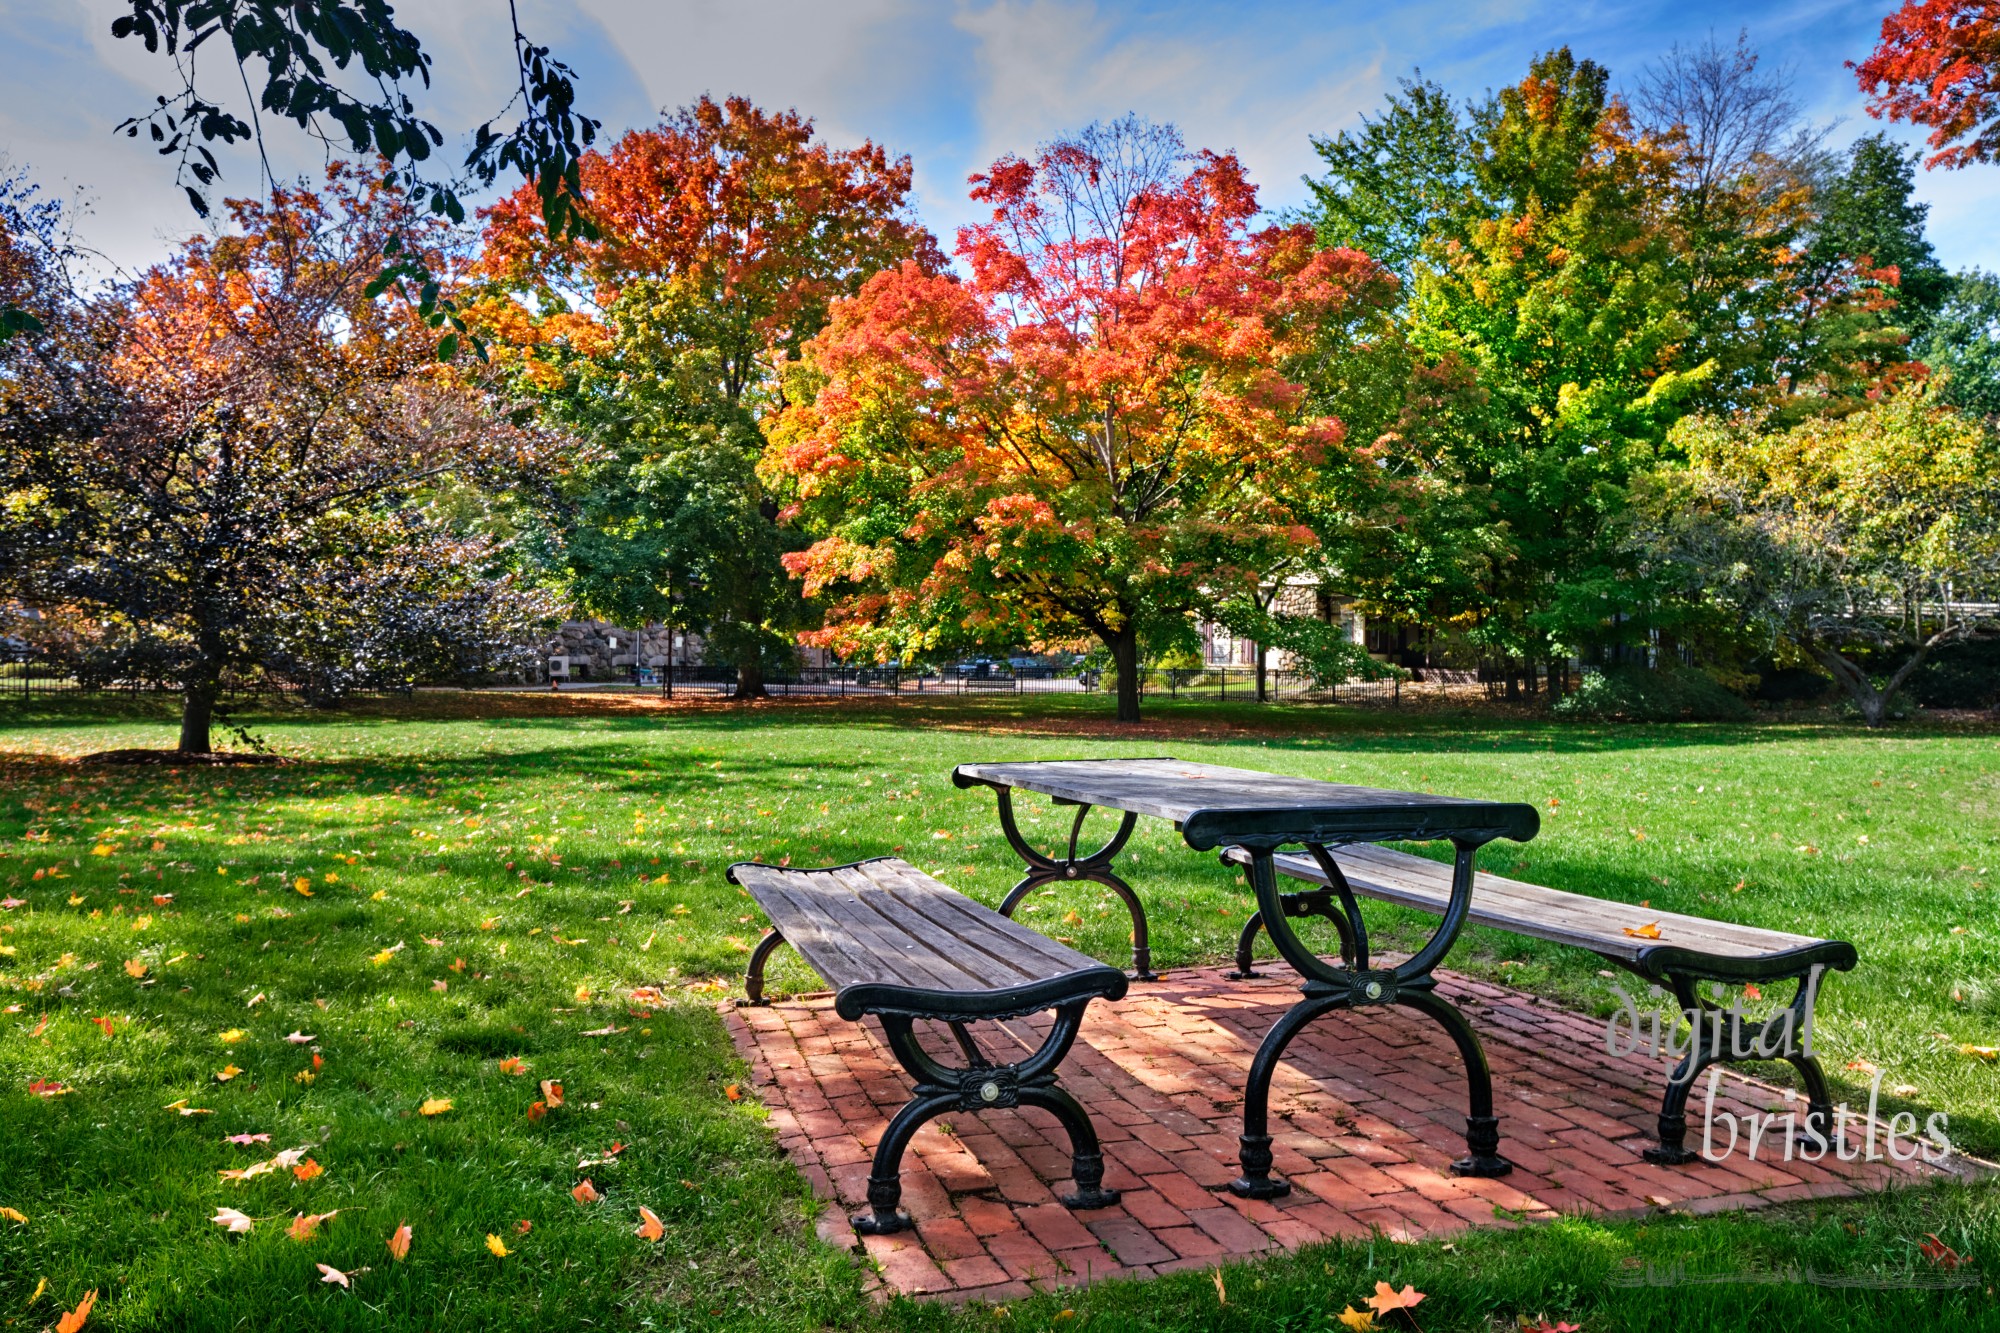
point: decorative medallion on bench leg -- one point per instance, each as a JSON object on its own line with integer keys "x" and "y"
{"x": 902, "y": 946}
{"x": 1095, "y": 868}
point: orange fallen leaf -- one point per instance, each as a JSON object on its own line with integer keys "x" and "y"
{"x": 523, "y": 1227}
{"x": 399, "y": 1242}
{"x": 73, "y": 1320}
{"x": 106, "y": 1024}
{"x": 134, "y": 968}
{"x": 585, "y": 1193}
{"x": 513, "y": 1064}
{"x": 1938, "y": 1252}
{"x": 733, "y": 1092}
{"x": 1751, "y": 991}
{"x": 1387, "y": 1298}
{"x": 649, "y": 1225}
{"x": 1649, "y": 931}
{"x": 306, "y": 1225}
{"x": 227, "y": 1072}
{"x": 552, "y": 1091}
{"x": 536, "y": 1110}
{"x": 43, "y": 1087}
{"x": 309, "y": 1170}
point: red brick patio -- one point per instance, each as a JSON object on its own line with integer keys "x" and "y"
{"x": 1367, "y": 1111}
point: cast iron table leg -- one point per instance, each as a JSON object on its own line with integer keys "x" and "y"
{"x": 1354, "y": 986}
{"x": 1096, "y": 868}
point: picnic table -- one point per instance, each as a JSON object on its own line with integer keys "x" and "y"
{"x": 1215, "y": 807}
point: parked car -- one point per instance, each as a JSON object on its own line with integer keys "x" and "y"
{"x": 978, "y": 668}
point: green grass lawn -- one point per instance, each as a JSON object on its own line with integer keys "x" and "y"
{"x": 430, "y": 892}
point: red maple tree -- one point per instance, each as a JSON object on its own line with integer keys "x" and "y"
{"x": 1938, "y": 64}
{"x": 1093, "y": 435}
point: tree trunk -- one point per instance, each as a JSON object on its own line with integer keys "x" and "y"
{"x": 1124, "y": 647}
{"x": 750, "y": 681}
{"x": 198, "y": 698}
{"x": 1874, "y": 703}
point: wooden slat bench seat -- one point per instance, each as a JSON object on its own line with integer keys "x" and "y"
{"x": 898, "y": 944}
{"x": 1687, "y": 950}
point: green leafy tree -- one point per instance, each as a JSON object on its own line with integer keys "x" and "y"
{"x": 1961, "y": 343}
{"x": 1866, "y": 213}
{"x": 1855, "y": 540}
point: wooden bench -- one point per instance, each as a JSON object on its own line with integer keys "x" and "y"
{"x": 1688, "y": 950}
{"x": 895, "y": 943}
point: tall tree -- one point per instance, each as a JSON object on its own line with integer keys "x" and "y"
{"x": 241, "y": 446}
{"x": 1397, "y": 184}
{"x": 722, "y": 236}
{"x": 1090, "y": 436}
{"x": 1962, "y": 344}
{"x": 1938, "y": 64}
{"x": 1867, "y": 214}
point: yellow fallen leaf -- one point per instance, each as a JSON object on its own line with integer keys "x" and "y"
{"x": 1361, "y": 1321}
{"x": 102, "y": 849}
{"x": 134, "y": 968}
{"x": 1649, "y": 931}
{"x": 496, "y": 1245}
{"x": 232, "y": 1036}
{"x": 434, "y": 1106}
{"x": 227, "y": 1072}
{"x": 1980, "y": 1052}
{"x": 40, "y": 1287}
{"x": 13, "y": 1215}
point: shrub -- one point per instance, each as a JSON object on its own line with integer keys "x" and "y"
{"x": 1637, "y": 694}
{"x": 1959, "y": 675}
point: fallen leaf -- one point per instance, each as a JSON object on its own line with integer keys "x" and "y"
{"x": 523, "y": 1227}
{"x": 536, "y": 1110}
{"x": 1751, "y": 992}
{"x": 1649, "y": 931}
{"x": 246, "y": 1139}
{"x": 11, "y": 903}
{"x": 1387, "y": 1298}
{"x": 328, "y": 1273}
{"x": 649, "y": 1227}
{"x": 602, "y": 1032}
{"x": 1862, "y": 1066}
{"x": 513, "y": 1064}
{"x": 1980, "y": 1052}
{"x": 40, "y": 1287}
{"x": 298, "y": 1038}
{"x": 733, "y": 1092}
{"x": 399, "y": 1242}
{"x": 13, "y": 1215}
{"x": 227, "y": 1072}
{"x": 73, "y": 1320}
{"x": 1938, "y": 1252}
{"x": 552, "y": 1091}
{"x": 42, "y": 1087}
{"x": 134, "y": 968}
{"x": 107, "y": 1025}
{"x": 231, "y": 1218}
{"x": 309, "y": 1170}
{"x": 306, "y": 1225}
{"x": 231, "y": 1037}
{"x": 585, "y": 1193}
{"x": 187, "y": 1110}
{"x": 496, "y": 1245}
{"x": 1361, "y": 1321}
{"x": 434, "y": 1106}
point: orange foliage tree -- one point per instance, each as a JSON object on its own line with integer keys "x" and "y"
{"x": 720, "y": 239}
{"x": 1938, "y": 65}
{"x": 1093, "y": 436}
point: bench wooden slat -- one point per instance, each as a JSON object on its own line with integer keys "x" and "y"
{"x": 886, "y": 923}
{"x": 1596, "y": 924}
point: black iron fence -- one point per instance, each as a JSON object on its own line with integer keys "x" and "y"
{"x": 1215, "y": 682}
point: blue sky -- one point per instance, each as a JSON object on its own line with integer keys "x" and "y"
{"x": 954, "y": 83}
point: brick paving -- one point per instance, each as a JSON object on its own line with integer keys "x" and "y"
{"x": 1367, "y": 1111}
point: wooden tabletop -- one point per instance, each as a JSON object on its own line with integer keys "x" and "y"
{"x": 1215, "y": 806}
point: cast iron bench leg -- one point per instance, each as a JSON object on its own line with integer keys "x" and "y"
{"x": 1317, "y": 902}
{"x": 753, "y": 976}
{"x": 981, "y": 1087}
{"x": 1095, "y": 868}
{"x": 1717, "y": 1040}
